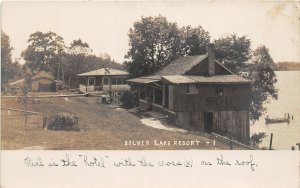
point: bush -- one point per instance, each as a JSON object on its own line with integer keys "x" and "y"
{"x": 257, "y": 138}
{"x": 61, "y": 121}
{"x": 128, "y": 100}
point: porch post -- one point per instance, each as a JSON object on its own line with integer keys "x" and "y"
{"x": 109, "y": 83}
{"x": 153, "y": 90}
{"x": 163, "y": 94}
{"x": 86, "y": 83}
{"x": 147, "y": 93}
{"x": 139, "y": 91}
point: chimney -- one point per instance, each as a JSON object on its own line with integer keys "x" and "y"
{"x": 211, "y": 59}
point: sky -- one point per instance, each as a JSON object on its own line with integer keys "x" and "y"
{"x": 105, "y": 25}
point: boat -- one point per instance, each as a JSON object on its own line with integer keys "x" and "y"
{"x": 276, "y": 120}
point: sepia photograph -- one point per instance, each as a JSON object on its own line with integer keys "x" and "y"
{"x": 150, "y": 94}
{"x": 150, "y": 75}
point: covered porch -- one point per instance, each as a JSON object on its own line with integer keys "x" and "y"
{"x": 103, "y": 83}
{"x": 104, "y": 79}
{"x": 153, "y": 94}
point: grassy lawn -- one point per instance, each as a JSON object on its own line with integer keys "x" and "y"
{"x": 102, "y": 127}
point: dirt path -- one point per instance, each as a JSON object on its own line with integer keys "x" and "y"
{"x": 102, "y": 127}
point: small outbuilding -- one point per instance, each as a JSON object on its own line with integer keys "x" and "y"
{"x": 199, "y": 94}
{"x": 43, "y": 82}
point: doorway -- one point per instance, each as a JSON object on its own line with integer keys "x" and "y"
{"x": 208, "y": 122}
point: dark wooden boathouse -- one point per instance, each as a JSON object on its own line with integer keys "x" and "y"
{"x": 199, "y": 94}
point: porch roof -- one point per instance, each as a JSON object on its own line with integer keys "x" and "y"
{"x": 230, "y": 79}
{"x": 217, "y": 79}
{"x": 145, "y": 79}
{"x": 178, "y": 79}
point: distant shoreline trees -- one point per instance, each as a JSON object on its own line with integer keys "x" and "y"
{"x": 287, "y": 66}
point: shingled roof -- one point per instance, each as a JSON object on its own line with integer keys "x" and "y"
{"x": 181, "y": 65}
{"x": 179, "y": 72}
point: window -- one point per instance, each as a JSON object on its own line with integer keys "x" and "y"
{"x": 219, "y": 91}
{"x": 123, "y": 81}
{"x": 143, "y": 92}
{"x": 192, "y": 89}
{"x": 91, "y": 81}
{"x": 120, "y": 81}
{"x": 105, "y": 81}
{"x": 83, "y": 81}
{"x": 113, "y": 81}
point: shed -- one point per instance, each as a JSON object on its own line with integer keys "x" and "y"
{"x": 43, "y": 82}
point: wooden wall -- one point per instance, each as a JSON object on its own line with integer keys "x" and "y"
{"x": 223, "y": 121}
{"x": 236, "y": 121}
{"x": 230, "y": 110}
{"x": 43, "y": 85}
{"x": 190, "y": 120}
{"x": 171, "y": 97}
{"x": 235, "y": 97}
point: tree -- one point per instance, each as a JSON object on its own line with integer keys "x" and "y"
{"x": 153, "y": 42}
{"x": 261, "y": 56}
{"x": 76, "y": 61}
{"x": 44, "y": 51}
{"x": 194, "y": 40}
{"x": 264, "y": 78}
{"x": 233, "y": 52}
{"x": 257, "y": 138}
{"x": 77, "y": 47}
{"x": 9, "y": 69}
{"x": 79, "y": 59}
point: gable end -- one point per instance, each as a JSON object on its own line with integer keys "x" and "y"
{"x": 201, "y": 69}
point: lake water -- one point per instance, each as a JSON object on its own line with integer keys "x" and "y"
{"x": 285, "y": 135}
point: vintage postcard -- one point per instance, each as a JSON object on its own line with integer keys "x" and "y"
{"x": 151, "y": 79}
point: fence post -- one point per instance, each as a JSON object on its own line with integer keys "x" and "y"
{"x": 271, "y": 140}
{"x": 230, "y": 137}
{"x": 298, "y": 144}
{"x": 9, "y": 117}
{"x": 43, "y": 121}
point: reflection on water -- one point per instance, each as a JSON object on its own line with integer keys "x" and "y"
{"x": 285, "y": 135}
